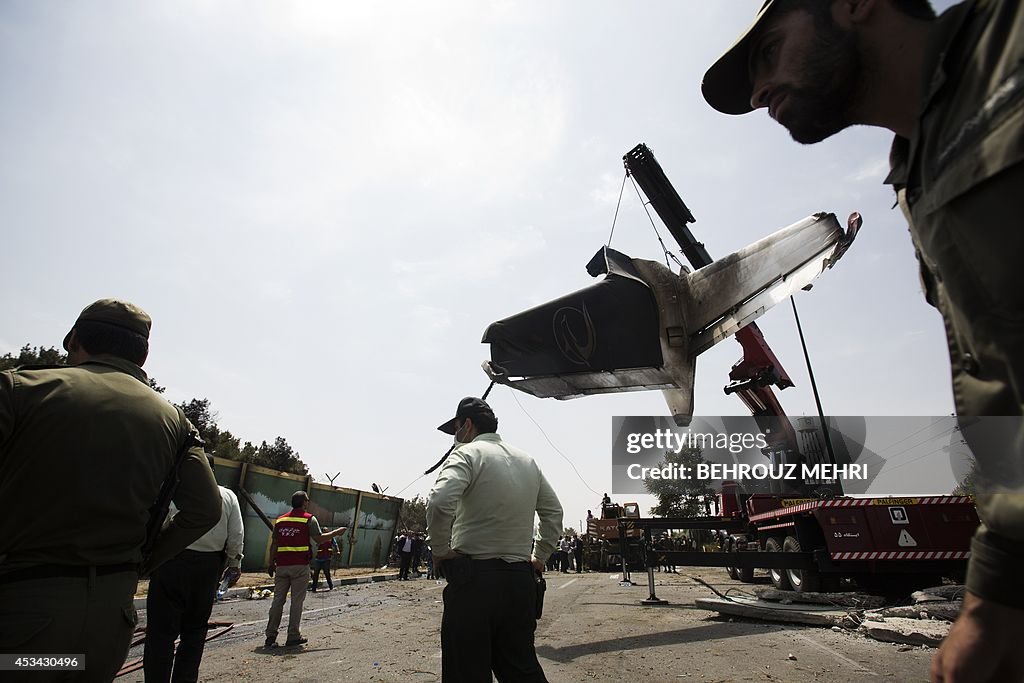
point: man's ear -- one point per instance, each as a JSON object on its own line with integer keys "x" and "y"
{"x": 851, "y": 12}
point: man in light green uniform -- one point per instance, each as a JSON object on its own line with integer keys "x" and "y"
{"x": 95, "y": 442}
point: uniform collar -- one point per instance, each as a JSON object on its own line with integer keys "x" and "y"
{"x": 125, "y": 366}
{"x": 943, "y": 32}
{"x": 493, "y": 437}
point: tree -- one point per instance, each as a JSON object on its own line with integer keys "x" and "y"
{"x": 414, "y": 513}
{"x": 223, "y": 444}
{"x": 34, "y": 355}
{"x": 203, "y": 419}
{"x": 968, "y": 486}
{"x": 681, "y": 497}
{"x": 226, "y": 445}
{"x": 47, "y": 355}
{"x": 279, "y": 456}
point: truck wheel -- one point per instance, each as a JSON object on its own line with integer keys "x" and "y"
{"x": 746, "y": 574}
{"x": 779, "y": 578}
{"x": 727, "y": 546}
{"x": 803, "y": 580}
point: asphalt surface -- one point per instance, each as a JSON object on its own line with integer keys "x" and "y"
{"x": 593, "y": 629}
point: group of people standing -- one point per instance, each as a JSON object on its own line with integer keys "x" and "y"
{"x": 949, "y": 88}
{"x": 568, "y": 555}
{"x": 412, "y": 548}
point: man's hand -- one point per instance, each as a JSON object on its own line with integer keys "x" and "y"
{"x": 270, "y": 571}
{"x": 439, "y": 561}
{"x": 537, "y": 565}
{"x": 983, "y": 646}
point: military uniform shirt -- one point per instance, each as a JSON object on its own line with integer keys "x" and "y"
{"x": 959, "y": 180}
{"x": 95, "y": 442}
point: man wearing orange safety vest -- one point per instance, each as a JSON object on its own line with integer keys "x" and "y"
{"x": 291, "y": 549}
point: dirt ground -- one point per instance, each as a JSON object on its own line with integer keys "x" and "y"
{"x": 593, "y": 629}
{"x": 248, "y": 580}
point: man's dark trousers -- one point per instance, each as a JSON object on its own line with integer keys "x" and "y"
{"x": 403, "y": 568}
{"x": 179, "y": 602}
{"x": 488, "y": 625}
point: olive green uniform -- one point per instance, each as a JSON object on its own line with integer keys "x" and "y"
{"x": 83, "y": 453}
{"x": 960, "y": 182}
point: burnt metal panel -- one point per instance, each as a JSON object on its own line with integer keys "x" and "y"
{"x": 610, "y": 325}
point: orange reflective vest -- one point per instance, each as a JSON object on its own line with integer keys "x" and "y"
{"x": 291, "y": 531}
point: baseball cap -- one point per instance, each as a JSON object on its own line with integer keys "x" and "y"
{"x": 726, "y": 85}
{"x": 117, "y": 313}
{"x": 468, "y": 407}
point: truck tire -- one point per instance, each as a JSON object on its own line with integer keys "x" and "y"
{"x": 778, "y": 576}
{"x": 802, "y": 580}
{"x": 727, "y": 546}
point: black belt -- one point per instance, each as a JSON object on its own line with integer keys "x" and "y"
{"x": 498, "y": 564}
{"x": 60, "y": 571}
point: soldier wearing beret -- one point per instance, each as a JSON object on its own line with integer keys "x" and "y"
{"x": 100, "y": 442}
{"x": 951, "y": 88}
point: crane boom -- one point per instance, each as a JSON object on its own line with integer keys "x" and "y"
{"x": 758, "y": 369}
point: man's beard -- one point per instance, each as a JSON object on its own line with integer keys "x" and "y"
{"x": 819, "y": 107}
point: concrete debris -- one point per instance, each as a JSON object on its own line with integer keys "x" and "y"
{"x": 939, "y": 593}
{"x": 813, "y": 615}
{"x": 944, "y": 611}
{"x": 907, "y": 631}
{"x": 855, "y": 600}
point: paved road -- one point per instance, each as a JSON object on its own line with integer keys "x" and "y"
{"x": 593, "y": 630}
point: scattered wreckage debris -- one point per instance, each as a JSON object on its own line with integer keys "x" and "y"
{"x": 907, "y": 631}
{"x": 216, "y": 629}
{"x": 754, "y": 608}
{"x": 855, "y": 600}
{"x": 925, "y": 622}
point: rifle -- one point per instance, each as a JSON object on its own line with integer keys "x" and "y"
{"x": 161, "y": 506}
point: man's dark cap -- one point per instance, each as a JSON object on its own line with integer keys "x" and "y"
{"x": 468, "y": 407}
{"x": 727, "y": 86}
{"x": 117, "y": 313}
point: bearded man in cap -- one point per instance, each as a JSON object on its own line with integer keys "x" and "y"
{"x": 951, "y": 88}
{"x": 100, "y": 442}
{"x": 480, "y": 517}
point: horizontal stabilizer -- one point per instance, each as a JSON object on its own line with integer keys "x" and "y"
{"x": 642, "y": 326}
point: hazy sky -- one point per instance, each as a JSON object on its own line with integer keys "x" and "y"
{"x": 323, "y": 205}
